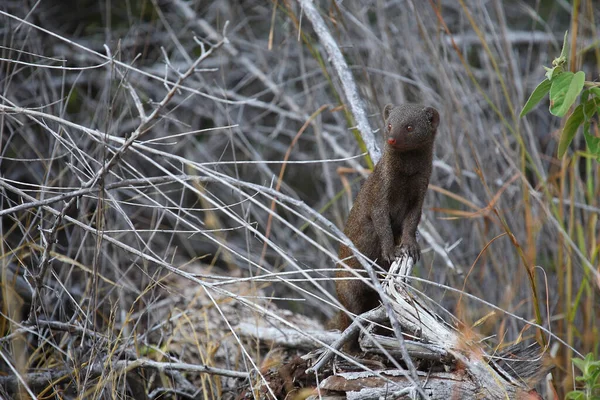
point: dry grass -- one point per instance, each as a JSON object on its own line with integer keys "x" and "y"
{"x": 131, "y": 188}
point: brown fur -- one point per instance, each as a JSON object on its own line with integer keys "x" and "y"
{"x": 383, "y": 221}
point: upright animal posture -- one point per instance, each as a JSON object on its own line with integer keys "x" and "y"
{"x": 383, "y": 221}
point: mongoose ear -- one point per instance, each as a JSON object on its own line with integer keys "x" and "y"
{"x": 387, "y": 110}
{"x": 433, "y": 116}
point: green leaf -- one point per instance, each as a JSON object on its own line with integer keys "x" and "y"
{"x": 589, "y": 357}
{"x": 536, "y": 96}
{"x": 565, "y": 46}
{"x": 593, "y": 144}
{"x": 552, "y": 73}
{"x": 586, "y": 130}
{"x": 571, "y": 126}
{"x": 575, "y": 396}
{"x": 595, "y": 90}
{"x": 596, "y": 364}
{"x": 564, "y": 91}
{"x": 590, "y": 108}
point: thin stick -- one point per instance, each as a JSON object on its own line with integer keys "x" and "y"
{"x": 345, "y": 76}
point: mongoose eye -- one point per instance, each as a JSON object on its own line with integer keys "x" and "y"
{"x": 409, "y": 128}
{"x": 389, "y": 127}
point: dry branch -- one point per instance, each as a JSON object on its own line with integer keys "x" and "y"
{"x": 345, "y": 76}
{"x": 470, "y": 372}
{"x": 40, "y": 379}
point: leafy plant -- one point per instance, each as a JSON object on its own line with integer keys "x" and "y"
{"x": 563, "y": 88}
{"x": 590, "y": 369}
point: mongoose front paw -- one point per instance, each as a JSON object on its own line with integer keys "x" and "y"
{"x": 389, "y": 256}
{"x": 409, "y": 248}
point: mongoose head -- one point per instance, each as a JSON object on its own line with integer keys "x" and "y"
{"x": 410, "y": 126}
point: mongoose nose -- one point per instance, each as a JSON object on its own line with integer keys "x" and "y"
{"x": 392, "y": 141}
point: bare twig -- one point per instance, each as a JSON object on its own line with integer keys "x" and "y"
{"x": 115, "y": 185}
{"x": 117, "y": 367}
{"x": 345, "y": 76}
{"x": 49, "y": 236}
{"x": 376, "y": 315}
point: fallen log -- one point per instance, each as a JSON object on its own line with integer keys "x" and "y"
{"x": 450, "y": 363}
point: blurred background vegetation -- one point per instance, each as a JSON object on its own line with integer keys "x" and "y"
{"x": 504, "y": 220}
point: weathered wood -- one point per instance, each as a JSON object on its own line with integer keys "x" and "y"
{"x": 285, "y": 336}
{"x": 452, "y": 364}
{"x": 391, "y": 384}
{"x": 471, "y": 372}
